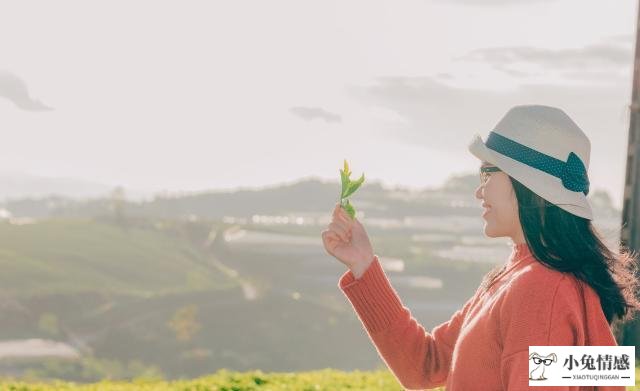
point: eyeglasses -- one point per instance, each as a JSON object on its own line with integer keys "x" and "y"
{"x": 484, "y": 174}
{"x": 546, "y": 361}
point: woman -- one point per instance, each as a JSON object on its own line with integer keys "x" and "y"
{"x": 561, "y": 285}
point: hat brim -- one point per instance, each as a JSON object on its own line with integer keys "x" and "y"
{"x": 545, "y": 185}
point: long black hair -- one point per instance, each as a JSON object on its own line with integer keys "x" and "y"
{"x": 571, "y": 244}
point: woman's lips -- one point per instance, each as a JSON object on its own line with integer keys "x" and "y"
{"x": 486, "y": 211}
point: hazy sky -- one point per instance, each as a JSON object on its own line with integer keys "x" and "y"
{"x": 189, "y": 95}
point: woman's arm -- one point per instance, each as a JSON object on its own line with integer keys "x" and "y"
{"x": 417, "y": 358}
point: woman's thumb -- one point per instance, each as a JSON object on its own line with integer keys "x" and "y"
{"x": 356, "y": 222}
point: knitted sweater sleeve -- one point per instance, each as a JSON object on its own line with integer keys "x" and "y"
{"x": 417, "y": 358}
{"x": 537, "y": 315}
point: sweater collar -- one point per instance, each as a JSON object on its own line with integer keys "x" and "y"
{"x": 520, "y": 253}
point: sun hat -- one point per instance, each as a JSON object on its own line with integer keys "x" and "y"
{"x": 542, "y": 148}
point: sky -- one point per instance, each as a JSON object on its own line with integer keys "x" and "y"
{"x": 200, "y": 95}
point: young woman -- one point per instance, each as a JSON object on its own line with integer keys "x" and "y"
{"x": 561, "y": 285}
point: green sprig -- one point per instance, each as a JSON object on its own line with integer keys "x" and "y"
{"x": 348, "y": 188}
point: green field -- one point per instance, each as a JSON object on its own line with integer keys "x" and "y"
{"x": 119, "y": 286}
{"x": 67, "y": 256}
{"x": 122, "y": 287}
{"x": 223, "y": 380}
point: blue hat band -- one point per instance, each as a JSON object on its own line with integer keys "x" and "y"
{"x": 572, "y": 172}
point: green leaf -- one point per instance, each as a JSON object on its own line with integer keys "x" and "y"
{"x": 345, "y": 182}
{"x": 344, "y": 176}
{"x": 348, "y": 187}
{"x": 353, "y": 186}
{"x": 350, "y": 210}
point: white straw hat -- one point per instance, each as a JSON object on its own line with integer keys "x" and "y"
{"x": 541, "y": 147}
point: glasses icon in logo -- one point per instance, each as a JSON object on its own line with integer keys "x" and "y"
{"x": 546, "y": 361}
{"x": 542, "y": 362}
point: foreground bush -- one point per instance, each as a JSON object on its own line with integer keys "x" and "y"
{"x": 224, "y": 380}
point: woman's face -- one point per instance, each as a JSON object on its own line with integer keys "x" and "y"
{"x": 500, "y": 206}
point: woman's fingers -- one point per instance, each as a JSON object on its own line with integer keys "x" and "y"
{"x": 329, "y": 237}
{"x": 331, "y": 241}
{"x": 336, "y": 212}
{"x": 341, "y": 223}
{"x": 340, "y": 212}
{"x": 334, "y": 236}
{"x": 340, "y": 230}
{"x": 345, "y": 232}
{"x": 341, "y": 216}
{"x": 344, "y": 219}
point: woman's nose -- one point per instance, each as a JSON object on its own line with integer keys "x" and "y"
{"x": 479, "y": 192}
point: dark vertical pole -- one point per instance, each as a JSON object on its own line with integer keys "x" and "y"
{"x": 629, "y": 333}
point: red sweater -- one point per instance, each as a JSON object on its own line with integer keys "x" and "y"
{"x": 485, "y": 344}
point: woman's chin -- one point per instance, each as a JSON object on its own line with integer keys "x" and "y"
{"x": 488, "y": 231}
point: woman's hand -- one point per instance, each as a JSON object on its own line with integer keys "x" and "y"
{"x": 347, "y": 240}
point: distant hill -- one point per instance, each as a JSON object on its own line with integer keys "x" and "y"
{"x": 15, "y": 185}
{"x": 455, "y": 197}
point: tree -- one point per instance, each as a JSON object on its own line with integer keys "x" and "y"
{"x": 185, "y": 323}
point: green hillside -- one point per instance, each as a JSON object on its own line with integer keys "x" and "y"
{"x": 67, "y": 256}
